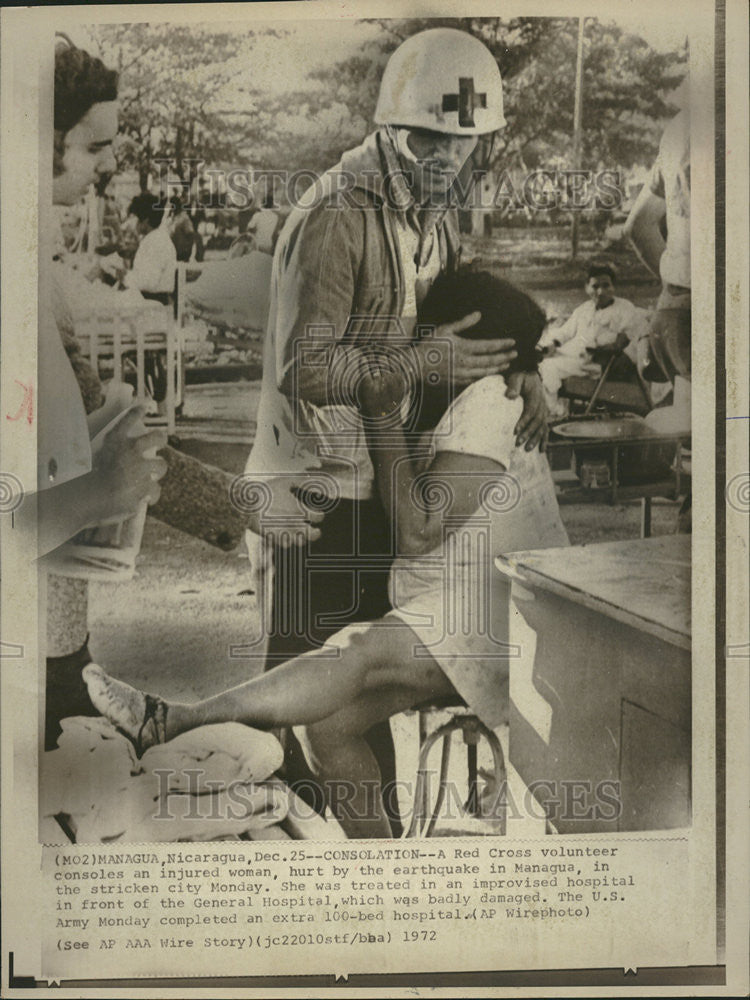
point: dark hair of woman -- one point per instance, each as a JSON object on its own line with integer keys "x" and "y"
{"x": 81, "y": 81}
{"x": 507, "y": 312}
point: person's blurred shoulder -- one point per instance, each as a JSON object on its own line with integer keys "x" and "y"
{"x": 482, "y": 402}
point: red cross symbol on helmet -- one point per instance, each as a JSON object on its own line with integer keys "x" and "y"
{"x": 443, "y": 80}
{"x": 465, "y": 101}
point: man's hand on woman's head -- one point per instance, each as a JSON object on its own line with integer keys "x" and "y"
{"x": 467, "y": 360}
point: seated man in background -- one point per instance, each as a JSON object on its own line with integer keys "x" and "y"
{"x": 605, "y": 321}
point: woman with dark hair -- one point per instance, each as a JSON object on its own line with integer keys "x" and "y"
{"x": 78, "y": 485}
{"x": 85, "y": 109}
{"x": 455, "y": 501}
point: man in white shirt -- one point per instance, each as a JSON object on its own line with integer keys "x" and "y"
{"x": 155, "y": 261}
{"x": 604, "y": 321}
{"x": 154, "y": 275}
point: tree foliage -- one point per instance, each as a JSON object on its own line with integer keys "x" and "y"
{"x": 187, "y": 93}
{"x": 626, "y": 95}
{"x": 170, "y": 77}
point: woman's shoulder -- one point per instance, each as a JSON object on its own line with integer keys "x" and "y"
{"x": 490, "y": 389}
{"x": 483, "y": 403}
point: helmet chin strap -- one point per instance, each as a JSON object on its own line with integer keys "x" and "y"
{"x": 406, "y": 158}
{"x": 400, "y": 139}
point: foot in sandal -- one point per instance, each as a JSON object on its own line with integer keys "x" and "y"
{"x": 141, "y": 717}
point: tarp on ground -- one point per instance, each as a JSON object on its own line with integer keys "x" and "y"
{"x": 233, "y": 292}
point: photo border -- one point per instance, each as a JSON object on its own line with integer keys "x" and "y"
{"x": 697, "y": 976}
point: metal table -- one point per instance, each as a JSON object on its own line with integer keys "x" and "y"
{"x": 671, "y": 487}
{"x": 601, "y": 691}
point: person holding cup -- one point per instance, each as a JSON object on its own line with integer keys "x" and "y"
{"x": 80, "y": 482}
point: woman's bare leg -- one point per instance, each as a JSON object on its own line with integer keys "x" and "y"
{"x": 342, "y": 760}
{"x": 336, "y": 698}
{"x": 304, "y": 690}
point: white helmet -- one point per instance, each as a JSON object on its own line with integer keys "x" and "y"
{"x": 444, "y": 80}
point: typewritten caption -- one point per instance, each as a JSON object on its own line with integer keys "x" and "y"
{"x": 173, "y": 908}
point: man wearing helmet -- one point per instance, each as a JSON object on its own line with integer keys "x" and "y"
{"x": 351, "y": 267}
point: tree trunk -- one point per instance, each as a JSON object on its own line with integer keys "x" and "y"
{"x": 178, "y": 153}
{"x": 144, "y": 168}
